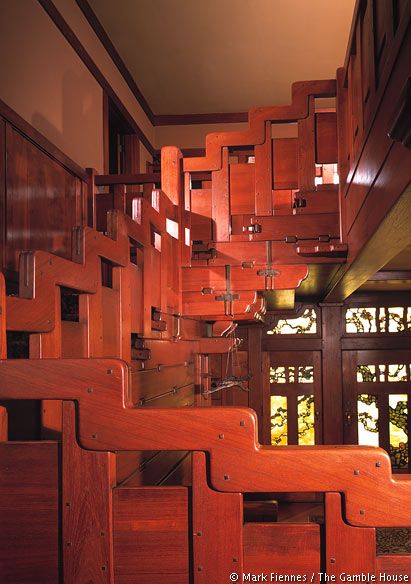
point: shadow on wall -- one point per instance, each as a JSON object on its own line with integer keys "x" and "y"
{"x": 76, "y": 138}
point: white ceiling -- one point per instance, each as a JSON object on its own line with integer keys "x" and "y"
{"x": 206, "y": 56}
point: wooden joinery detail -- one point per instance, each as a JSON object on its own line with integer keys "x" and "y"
{"x": 220, "y": 201}
{"x": 88, "y": 479}
{"x": 263, "y": 175}
{"x": 306, "y": 149}
{"x": 373, "y": 497}
{"x": 217, "y": 529}
{"x": 342, "y": 540}
{"x": 257, "y": 117}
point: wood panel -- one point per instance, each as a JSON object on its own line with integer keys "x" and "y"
{"x": 87, "y": 508}
{"x": 242, "y": 189}
{"x": 29, "y": 513}
{"x": 326, "y": 138}
{"x": 292, "y": 549}
{"x": 43, "y": 201}
{"x": 217, "y": 529}
{"x": 348, "y": 549}
{"x": 228, "y": 434}
{"x": 4, "y": 432}
{"x": 285, "y": 165}
{"x": 151, "y": 535}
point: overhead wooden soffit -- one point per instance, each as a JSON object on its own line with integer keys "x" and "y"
{"x": 395, "y": 228}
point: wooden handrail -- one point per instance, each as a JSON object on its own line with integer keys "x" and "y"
{"x": 238, "y": 463}
{"x": 102, "y": 180}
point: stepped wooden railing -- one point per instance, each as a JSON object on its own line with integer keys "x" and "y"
{"x": 107, "y": 421}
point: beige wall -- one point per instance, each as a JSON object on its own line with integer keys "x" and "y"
{"x": 44, "y": 81}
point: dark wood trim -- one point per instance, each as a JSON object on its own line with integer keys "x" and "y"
{"x": 282, "y": 343}
{"x": 70, "y": 36}
{"x": 2, "y": 194}
{"x": 102, "y": 180}
{"x": 332, "y": 381}
{"x": 384, "y": 275}
{"x": 191, "y": 119}
{"x": 117, "y": 60}
{"x": 40, "y": 141}
{"x": 394, "y": 343}
{"x": 106, "y": 149}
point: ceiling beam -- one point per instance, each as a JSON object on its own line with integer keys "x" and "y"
{"x": 391, "y": 237}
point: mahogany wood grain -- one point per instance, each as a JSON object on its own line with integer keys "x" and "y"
{"x": 285, "y": 164}
{"x": 394, "y": 565}
{"x": 263, "y": 469}
{"x": 306, "y": 149}
{"x": 348, "y": 549}
{"x": 285, "y": 548}
{"x": 220, "y": 200}
{"x": 88, "y": 478}
{"x": 331, "y": 317}
{"x": 264, "y": 175}
{"x": 29, "y": 512}
{"x": 326, "y": 138}
{"x": 217, "y": 528}
{"x": 257, "y": 117}
{"x": 276, "y": 228}
{"x": 151, "y": 535}
{"x": 3, "y": 338}
{"x": 4, "y": 433}
{"x": 242, "y": 189}
{"x": 197, "y": 279}
{"x": 42, "y": 201}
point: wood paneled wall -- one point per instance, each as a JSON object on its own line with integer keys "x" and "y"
{"x": 75, "y": 292}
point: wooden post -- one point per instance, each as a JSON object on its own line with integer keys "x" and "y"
{"x": 331, "y": 318}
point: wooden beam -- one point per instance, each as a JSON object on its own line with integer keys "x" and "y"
{"x": 395, "y": 229}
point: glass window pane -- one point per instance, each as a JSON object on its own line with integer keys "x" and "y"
{"x": 304, "y": 324}
{"x": 367, "y": 420}
{"x": 306, "y": 434}
{"x": 365, "y": 373}
{"x": 277, "y": 374}
{"x": 397, "y": 373}
{"x": 398, "y": 404}
{"x": 306, "y": 374}
{"x": 395, "y": 319}
{"x": 361, "y": 320}
{"x": 279, "y": 420}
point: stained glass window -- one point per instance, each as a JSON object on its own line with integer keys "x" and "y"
{"x": 398, "y": 430}
{"x": 372, "y": 373}
{"x": 281, "y": 374}
{"x": 367, "y": 420}
{"x": 279, "y": 420}
{"x": 361, "y": 320}
{"x": 306, "y": 434}
{"x": 391, "y": 319}
{"x": 304, "y": 324}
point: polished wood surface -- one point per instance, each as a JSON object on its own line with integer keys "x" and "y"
{"x": 217, "y": 528}
{"x": 88, "y": 478}
{"x": 283, "y": 548}
{"x": 348, "y": 549}
{"x": 355, "y": 471}
{"x": 29, "y": 512}
{"x": 151, "y": 534}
